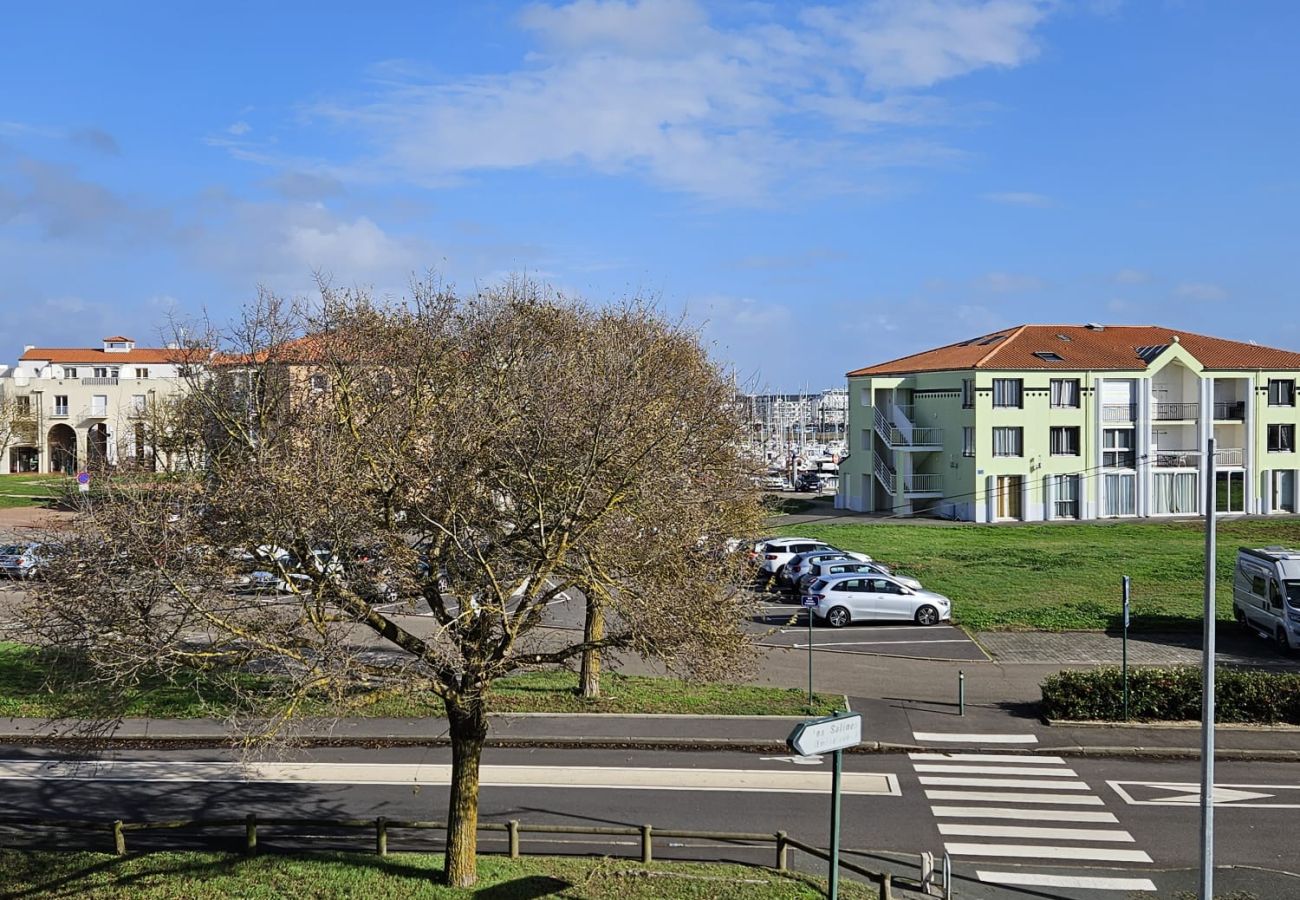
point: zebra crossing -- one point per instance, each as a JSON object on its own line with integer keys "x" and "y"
{"x": 1003, "y": 809}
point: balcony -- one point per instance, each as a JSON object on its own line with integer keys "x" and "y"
{"x": 923, "y": 483}
{"x": 58, "y": 412}
{"x": 95, "y": 412}
{"x": 99, "y": 382}
{"x": 1118, "y": 412}
{"x": 1230, "y": 411}
{"x": 1191, "y": 459}
{"x": 1173, "y": 412}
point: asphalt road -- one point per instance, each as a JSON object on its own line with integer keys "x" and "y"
{"x": 1016, "y": 818}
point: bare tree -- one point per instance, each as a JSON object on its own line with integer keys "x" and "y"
{"x": 476, "y": 457}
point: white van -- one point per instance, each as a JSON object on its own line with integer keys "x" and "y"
{"x": 1266, "y": 593}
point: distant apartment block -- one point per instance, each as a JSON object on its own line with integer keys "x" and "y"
{"x": 83, "y": 407}
{"x": 1044, "y": 422}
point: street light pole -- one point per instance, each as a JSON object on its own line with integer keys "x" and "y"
{"x": 1207, "y": 686}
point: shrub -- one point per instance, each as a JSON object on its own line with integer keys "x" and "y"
{"x": 1172, "y": 694}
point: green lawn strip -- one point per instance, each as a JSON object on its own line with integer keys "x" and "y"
{"x": 399, "y": 876}
{"x": 29, "y": 490}
{"x": 26, "y": 692}
{"x": 1063, "y": 577}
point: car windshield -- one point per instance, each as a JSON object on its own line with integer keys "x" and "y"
{"x": 1293, "y": 593}
{"x": 818, "y": 584}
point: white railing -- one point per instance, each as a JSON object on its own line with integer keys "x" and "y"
{"x": 923, "y": 483}
{"x": 884, "y": 474}
{"x": 927, "y": 437}
{"x": 882, "y": 425}
{"x": 1191, "y": 459}
{"x": 99, "y": 382}
{"x": 903, "y": 422}
{"x": 1118, "y": 412}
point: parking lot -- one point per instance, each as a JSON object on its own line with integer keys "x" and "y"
{"x": 786, "y": 625}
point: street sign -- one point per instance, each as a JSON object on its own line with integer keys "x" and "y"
{"x": 83, "y": 482}
{"x": 818, "y": 736}
{"x": 808, "y": 600}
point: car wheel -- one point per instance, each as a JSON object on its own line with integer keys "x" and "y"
{"x": 1239, "y": 615}
{"x": 838, "y": 617}
{"x": 927, "y": 615}
{"x": 1283, "y": 645}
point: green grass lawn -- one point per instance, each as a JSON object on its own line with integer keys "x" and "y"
{"x": 30, "y": 490}
{"x": 399, "y": 876}
{"x": 1067, "y": 576}
{"x": 25, "y": 691}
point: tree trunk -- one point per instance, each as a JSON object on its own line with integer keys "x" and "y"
{"x": 593, "y": 630}
{"x": 469, "y": 726}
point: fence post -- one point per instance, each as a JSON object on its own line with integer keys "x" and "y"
{"x": 381, "y": 836}
{"x": 782, "y": 851}
{"x": 927, "y": 871}
{"x": 647, "y": 853}
{"x": 119, "y": 838}
{"x": 887, "y": 886}
{"x": 512, "y": 828}
{"x": 250, "y": 834}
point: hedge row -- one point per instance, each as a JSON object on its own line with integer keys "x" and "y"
{"x": 1173, "y": 694}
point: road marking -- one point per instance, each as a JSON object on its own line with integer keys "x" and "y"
{"x": 1028, "y": 815}
{"x": 878, "y": 643}
{"x": 1104, "y": 835}
{"x": 1038, "y": 851}
{"x": 988, "y": 757}
{"x": 614, "y": 777}
{"x": 1011, "y": 797}
{"x": 999, "y": 770}
{"x": 939, "y": 781}
{"x": 1174, "y": 793}
{"x": 1083, "y": 882}
{"x": 936, "y": 736}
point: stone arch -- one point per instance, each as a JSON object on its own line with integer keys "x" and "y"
{"x": 63, "y": 449}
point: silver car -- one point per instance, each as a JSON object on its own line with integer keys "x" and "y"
{"x": 854, "y": 597}
{"x": 840, "y": 565}
{"x": 797, "y": 567}
{"x": 21, "y": 560}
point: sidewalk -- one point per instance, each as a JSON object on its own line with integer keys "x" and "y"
{"x": 888, "y": 726}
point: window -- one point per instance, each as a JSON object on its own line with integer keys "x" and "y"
{"x": 1065, "y": 440}
{"x": 1065, "y": 497}
{"x": 1117, "y": 449}
{"x": 319, "y": 382}
{"x": 99, "y": 405}
{"x": 101, "y": 371}
{"x": 139, "y": 402}
{"x": 1119, "y": 494}
{"x": 69, "y": 371}
{"x": 22, "y": 407}
{"x": 1065, "y": 393}
{"x": 968, "y": 393}
{"x": 114, "y": 372}
{"x": 1281, "y": 438}
{"x": 1007, "y": 392}
{"x": 1175, "y": 493}
{"x": 60, "y": 404}
{"x": 1049, "y": 356}
{"x": 1008, "y": 441}
{"x": 142, "y": 372}
{"x": 1281, "y": 392}
{"x": 1257, "y": 585}
{"x": 968, "y": 440}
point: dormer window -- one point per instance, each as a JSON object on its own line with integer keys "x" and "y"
{"x": 118, "y": 344}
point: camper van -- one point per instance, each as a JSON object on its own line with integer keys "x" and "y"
{"x": 1266, "y": 593}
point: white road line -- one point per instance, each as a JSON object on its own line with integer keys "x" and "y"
{"x": 989, "y": 757}
{"x": 1027, "y": 815}
{"x": 937, "y": 737}
{"x": 612, "y": 777}
{"x": 941, "y": 781}
{"x": 1012, "y": 797}
{"x": 1083, "y": 882}
{"x": 1101, "y": 835}
{"x": 817, "y": 645}
{"x": 999, "y": 770}
{"x": 1038, "y": 851}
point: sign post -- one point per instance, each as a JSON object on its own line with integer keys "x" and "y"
{"x": 808, "y": 604}
{"x": 1125, "y": 645}
{"x": 829, "y": 735}
{"x": 83, "y": 482}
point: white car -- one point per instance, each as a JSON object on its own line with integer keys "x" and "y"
{"x": 839, "y": 566}
{"x": 854, "y": 597}
{"x": 21, "y": 560}
{"x": 797, "y": 567}
{"x": 777, "y": 552}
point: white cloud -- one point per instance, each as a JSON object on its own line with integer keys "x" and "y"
{"x": 1131, "y": 276}
{"x": 1019, "y": 198}
{"x": 658, "y": 89}
{"x": 239, "y": 128}
{"x": 1201, "y": 290}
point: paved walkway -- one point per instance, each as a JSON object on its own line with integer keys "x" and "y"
{"x": 1097, "y": 648}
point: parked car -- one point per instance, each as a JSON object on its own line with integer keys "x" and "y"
{"x": 788, "y": 580}
{"x": 853, "y": 597}
{"x": 21, "y": 560}
{"x": 776, "y": 483}
{"x": 840, "y": 566}
{"x": 779, "y": 551}
{"x": 808, "y": 481}
{"x": 1266, "y": 593}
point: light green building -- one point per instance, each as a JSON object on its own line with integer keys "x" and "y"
{"x": 1045, "y": 422}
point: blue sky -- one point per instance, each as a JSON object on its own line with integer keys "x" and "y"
{"x": 819, "y": 187}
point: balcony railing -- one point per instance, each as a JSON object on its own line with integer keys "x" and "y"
{"x": 98, "y": 382}
{"x": 1191, "y": 459}
{"x": 927, "y": 437}
{"x": 1166, "y": 412}
{"x": 884, "y": 474}
{"x": 1118, "y": 412}
{"x": 923, "y": 483}
{"x": 1230, "y": 410}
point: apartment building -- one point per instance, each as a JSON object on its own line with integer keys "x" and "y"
{"x": 83, "y": 407}
{"x": 1044, "y": 422}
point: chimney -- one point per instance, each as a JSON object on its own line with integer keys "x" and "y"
{"x": 27, "y": 347}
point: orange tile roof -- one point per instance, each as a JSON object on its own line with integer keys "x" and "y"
{"x": 1115, "y": 347}
{"x": 96, "y": 356}
{"x": 120, "y": 338}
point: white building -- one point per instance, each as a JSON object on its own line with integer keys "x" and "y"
{"x": 80, "y": 407}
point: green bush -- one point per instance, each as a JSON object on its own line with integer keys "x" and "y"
{"x": 1173, "y": 694}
